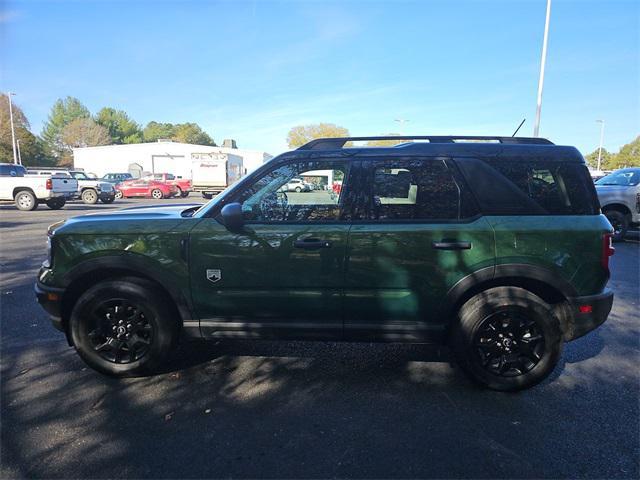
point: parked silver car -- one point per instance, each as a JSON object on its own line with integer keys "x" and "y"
{"x": 619, "y": 195}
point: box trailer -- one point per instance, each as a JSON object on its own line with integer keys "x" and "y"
{"x": 211, "y": 173}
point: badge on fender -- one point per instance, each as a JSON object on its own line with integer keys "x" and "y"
{"x": 214, "y": 275}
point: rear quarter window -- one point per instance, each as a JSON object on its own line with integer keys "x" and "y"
{"x": 536, "y": 187}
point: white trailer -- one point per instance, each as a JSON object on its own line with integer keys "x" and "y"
{"x": 213, "y": 172}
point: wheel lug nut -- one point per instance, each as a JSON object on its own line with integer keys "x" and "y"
{"x": 114, "y": 328}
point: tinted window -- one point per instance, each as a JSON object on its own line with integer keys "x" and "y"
{"x": 12, "y": 170}
{"x": 309, "y": 191}
{"x": 418, "y": 190}
{"x": 555, "y": 188}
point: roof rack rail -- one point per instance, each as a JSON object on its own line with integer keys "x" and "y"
{"x": 339, "y": 142}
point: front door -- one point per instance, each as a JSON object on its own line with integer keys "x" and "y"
{"x": 283, "y": 273}
{"x": 421, "y": 234}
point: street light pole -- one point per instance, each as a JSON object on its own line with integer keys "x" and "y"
{"x": 543, "y": 61}
{"x": 13, "y": 133}
{"x": 19, "y": 156}
{"x": 601, "y": 140}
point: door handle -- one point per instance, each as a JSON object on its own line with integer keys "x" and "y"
{"x": 451, "y": 245}
{"x": 311, "y": 244}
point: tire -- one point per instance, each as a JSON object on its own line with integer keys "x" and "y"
{"x": 298, "y": 189}
{"x": 495, "y": 356}
{"x": 119, "y": 194}
{"x": 89, "y": 196}
{"x": 98, "y": 330}
{"x": 620, "y": 223}
{"x": 26, "y": 201}
{"x": 184, "y": 194}
{"x": 179, "y": 192}
{"x": 108, "y": 200}
{"x": 208, "y": 196}
{"x": 56, "y": 203}
{"x": 157, "y": 194}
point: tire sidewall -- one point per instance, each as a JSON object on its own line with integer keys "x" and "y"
{"x": 90, "y": 196}
{"x": 154, "y": 195}
{"x": 32, "y": 206}
{"x": 164, "y": 327}
{"x": 479, "y": 308}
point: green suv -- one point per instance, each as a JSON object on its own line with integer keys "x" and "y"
{"x": 495, "y": 246}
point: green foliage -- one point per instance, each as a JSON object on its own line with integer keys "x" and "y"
{"x": 181, "y": 132}
{"x": 120, "y": 127}
{"x": 62, "y": 114}
{"x": 302, "y": 134}
{"x": 31, "y": 147}
{"x": 628, "y": 156}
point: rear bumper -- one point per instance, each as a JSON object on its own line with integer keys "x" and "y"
{"x": 583, "y": 322}
{"x": 50, "y": 299}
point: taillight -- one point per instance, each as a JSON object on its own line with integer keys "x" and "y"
{"x": 49, "y": 184}
{"x": 607, "y": 250}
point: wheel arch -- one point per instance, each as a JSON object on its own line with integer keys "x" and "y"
{"x": 540, "y": 281}
{"x": 91, "y": 272}
{"x": 621, "y": 207}
{"x": 16, "y": 190}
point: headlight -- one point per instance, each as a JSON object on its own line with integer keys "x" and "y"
{"x": 49, "y": 261}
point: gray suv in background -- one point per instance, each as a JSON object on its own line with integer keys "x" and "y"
{"x": 619, "y": 195}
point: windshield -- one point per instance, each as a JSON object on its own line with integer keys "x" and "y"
{"x": 623, "y": 178}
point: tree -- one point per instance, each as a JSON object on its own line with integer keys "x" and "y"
{"x": 302, "y": 134}
{"x": 156, "y": 130}
{"x": 31, "y": 148}
{"x": 191, "y": 133}
{"x": 82, "y": 132}
{"x": 629, "y": 155}
{"x": 385, "y": 143}
{"x": 62, "y": 114}
{"x": 592, "y": 159}
{"x": 120, "y": 127}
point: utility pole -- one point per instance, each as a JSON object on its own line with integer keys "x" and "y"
{"x": 601, "y": 140}
{"x": 19, "y": 156}
{"x": 401, "y": 121}
{"x": 13, "y": 133}
{"x": 543, "y": 61}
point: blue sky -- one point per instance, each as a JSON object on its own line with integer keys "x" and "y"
{"x": 252, "y": 70}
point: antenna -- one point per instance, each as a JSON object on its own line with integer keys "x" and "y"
{"x": 521, "y": 123}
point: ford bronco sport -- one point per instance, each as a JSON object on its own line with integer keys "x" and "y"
{"x": 495, "y": 246}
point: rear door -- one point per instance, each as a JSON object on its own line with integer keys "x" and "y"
{"x": 421, "y": 235}
{"x": 283, "y": 273}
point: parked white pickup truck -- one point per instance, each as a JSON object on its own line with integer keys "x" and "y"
{"x": 90, "y": 189}
{"x": 27, "y": 191}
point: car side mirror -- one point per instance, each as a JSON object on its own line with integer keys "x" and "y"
{"x": 232, "y": 217}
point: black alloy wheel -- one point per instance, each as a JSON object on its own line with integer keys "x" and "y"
{"x": 120, "y": 331}
{"x": 508, "y": 343}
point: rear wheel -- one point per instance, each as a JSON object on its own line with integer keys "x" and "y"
{"x": 507, "y": 339}
{"x": 620, "y": 223}
{"x": 56, "y": 203}
{"x": 123, "y": 327}
{"x": 298, "y": 189}
{"x": 90, "y": 196}
{"x": 157, "y": 194}
{"x": 184, "y": 194}
{"x": 26, "y": 200}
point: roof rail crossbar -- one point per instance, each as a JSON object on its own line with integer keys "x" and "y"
{"x": 339, "y": 142}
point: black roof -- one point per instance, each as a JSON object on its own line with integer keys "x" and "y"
{"x": 509, "y": 148}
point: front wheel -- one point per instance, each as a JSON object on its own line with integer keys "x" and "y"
{"x": 507, "y": 338}
{"x": 90, "y": 196}
{"x": 157, "y": 194}
{"x": 620, "y": 223}
{"x": 207, "y": 196}
{"x": 123, "y": 327}
{"x": 56, "y": 203}
{"x": 119, "y": 194}
{"x": 184, "y": 194}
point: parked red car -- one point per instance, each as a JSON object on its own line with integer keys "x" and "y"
{"x": 145, "y": 188}
{"x": 183, "y": 184}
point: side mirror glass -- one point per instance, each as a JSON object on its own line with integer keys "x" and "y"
{"x": 232, "y": 216}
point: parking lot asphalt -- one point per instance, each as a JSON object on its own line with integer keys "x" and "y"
{"x": 305, "y": 409}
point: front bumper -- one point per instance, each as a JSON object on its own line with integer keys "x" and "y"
{"x": 109, "y": 196}
{"x": 51, "y": 300}
{"x": 588, "y": 313}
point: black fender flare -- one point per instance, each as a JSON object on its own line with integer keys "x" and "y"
{"x": 136, "y": 265}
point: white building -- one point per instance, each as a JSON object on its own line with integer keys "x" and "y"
{"x": 163, "y": 156}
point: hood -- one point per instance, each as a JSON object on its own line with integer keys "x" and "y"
{"x": 134, "y": 220}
